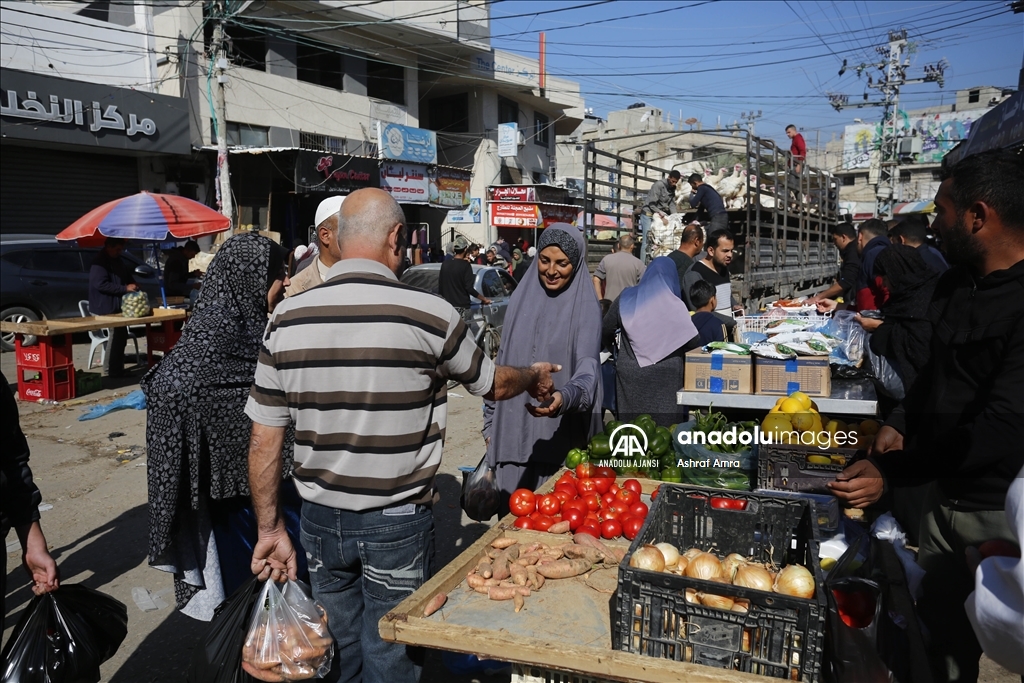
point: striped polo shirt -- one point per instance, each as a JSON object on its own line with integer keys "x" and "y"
{"x": 360, "y": 365}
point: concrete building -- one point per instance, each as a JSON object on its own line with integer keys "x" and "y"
{"x": 308, "y": 84}
{"x": 929, "y": 133}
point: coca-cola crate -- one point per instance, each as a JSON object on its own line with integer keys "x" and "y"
{"x": 778, "y": 636}
{"x": 52, "y": 384}
{"x": 48, "y": 352}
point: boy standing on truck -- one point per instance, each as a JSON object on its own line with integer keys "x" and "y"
{"x": 661, "y": 200}
{"x": 707, "y": 201}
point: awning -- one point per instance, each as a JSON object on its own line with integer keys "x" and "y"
{"x": 914, "y": 207}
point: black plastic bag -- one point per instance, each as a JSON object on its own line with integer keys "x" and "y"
{"x": 480, "y": 495}
{"x": 64, "y": 636}
{"x": 218, "y": 659}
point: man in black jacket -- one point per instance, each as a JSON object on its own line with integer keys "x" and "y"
{"x": 19, "y": 500}
{"x": 109, "y": 280}
{"x": 845, "y": 239}
{"x": 962, "y": 424}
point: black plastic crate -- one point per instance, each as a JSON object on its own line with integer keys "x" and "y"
{"x": 780, "y": 636}
{"x": 783, "y": 467}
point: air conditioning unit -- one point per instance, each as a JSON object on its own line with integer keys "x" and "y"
{"x": 910, "y": 146}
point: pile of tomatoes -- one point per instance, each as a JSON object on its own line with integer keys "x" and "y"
{"x": 591, "y": 502}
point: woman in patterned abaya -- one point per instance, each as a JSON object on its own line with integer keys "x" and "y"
{"x": 201, "y": 526}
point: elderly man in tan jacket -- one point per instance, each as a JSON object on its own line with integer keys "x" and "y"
{"x": 326, "y": 224}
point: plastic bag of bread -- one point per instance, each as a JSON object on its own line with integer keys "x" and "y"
{"x": 288, "y": 638}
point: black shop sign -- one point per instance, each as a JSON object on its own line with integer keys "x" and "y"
{"x": 325, "y": 172}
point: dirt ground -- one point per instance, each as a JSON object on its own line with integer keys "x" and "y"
{"x": 92, "y": 476}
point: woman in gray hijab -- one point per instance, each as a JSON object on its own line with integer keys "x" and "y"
{"x": 553, "y": 316}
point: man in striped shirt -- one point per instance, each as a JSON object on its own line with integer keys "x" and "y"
{"x": 360, "y": 364}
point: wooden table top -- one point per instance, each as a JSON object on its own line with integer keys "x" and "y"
{"x": 59, "y": 326}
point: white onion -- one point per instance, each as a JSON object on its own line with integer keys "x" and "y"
{"x": 796, "y": 581}
{"x": 731, "y": 563}
{"x": 670, "y": 553}
{"x": 649, "y": 558}
{"x": 716, "y": 601}
{"x": 703, "y": 566}
{"x": 691, "y": 596}
{"x": 681, "y": 564}
{"x": 741, "y": 605}
{"x": 692, "y": 553}
{"x": 752, "y": 576}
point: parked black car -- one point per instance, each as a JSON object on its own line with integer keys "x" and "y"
{"x": 43, "y": 278}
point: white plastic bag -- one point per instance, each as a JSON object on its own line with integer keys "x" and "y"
{"x": 135, "y": 305}
{"x": 886, "y": 528}
{"x": 288, "y": 638}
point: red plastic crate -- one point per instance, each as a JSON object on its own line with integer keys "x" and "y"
{"x": 54, "y": 384}
{"x": 49, "y": 352}
{"x": 161, "y": 339}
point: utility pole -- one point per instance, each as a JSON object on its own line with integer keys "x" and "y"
{"x": 750, "y": 117}
{"x": 894, "y": 67}
{"x": 220, "y": 66}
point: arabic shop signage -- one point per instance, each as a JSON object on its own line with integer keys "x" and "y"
{"x": 512, "y": 193}
{"x": 524, "y": 215}
{"x": 49, "y": 109}
{"x": 471, "y": 214}
{"x": 449, "y": 187}
{"x": 405, "y": 143}
{"x": 320, "y": 172}
{"x": 407, "y": 183}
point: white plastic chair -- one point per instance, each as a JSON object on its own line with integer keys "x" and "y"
{"x": 98, "y": 338}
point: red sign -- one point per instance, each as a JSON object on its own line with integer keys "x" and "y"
{"x": 554, "y": 213}
{"x": 513, "y": 193}
{"x": 514, "y": 215}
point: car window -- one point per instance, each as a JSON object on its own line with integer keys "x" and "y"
{"x": 508, "y": 281}
{"x": 63, "y": 261}
{"x": 18, "y": 258}
{"x": 492, "y": 285}
{"x": 422, "y": 279}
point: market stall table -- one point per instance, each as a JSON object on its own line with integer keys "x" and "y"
{"x": 849, "y": 397}
{"x": 51, "y": 358}
{"x": 566, "y": 627}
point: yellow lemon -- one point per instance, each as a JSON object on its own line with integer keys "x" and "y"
{"x": 776, "y": 423}
{"x": 776, "y": 409}
{"x": 819, "y": 460}
{"x": 791, "y": 405}
{"x": 816, "y": 427}
{"x": 869, "y": 427}
{"x": 814, "y": 406}
{"x": 781, "y": 399}
{"x": 827, "y": 563}
{"x": 832, "y": 426}
{"x": 802, "y": 421}
{"x": 804, "y": 399}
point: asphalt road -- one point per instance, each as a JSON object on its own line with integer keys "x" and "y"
{"x": 93, "y": 474}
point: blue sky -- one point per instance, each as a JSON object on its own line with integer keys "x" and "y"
{"x": 708, "y": 58}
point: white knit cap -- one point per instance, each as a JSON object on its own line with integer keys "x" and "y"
{"x": 328, "y": 208}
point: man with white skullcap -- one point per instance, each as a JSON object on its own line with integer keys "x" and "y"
{"x": 329, "y": 254}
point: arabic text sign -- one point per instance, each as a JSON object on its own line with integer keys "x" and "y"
{"x": 319, "y": 172}
{"x": 449, "y": 186}
{"x": 407, "y": 183}
{"x": 515, "y": 215}
{"x": 38, "y": 107}
{"x": 506, "y": 67}
{"x": 512, "y": 193}
{"x": 508, "y": 139}
{"x": 471, "y": 214}
{"x": 939, "y": 133}
{"x": 404, "y": 143}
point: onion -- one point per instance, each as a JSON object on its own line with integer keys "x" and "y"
{"x": 731, "y": 563}
{"x": 704, "y": 566}
{"x": 796, "y": 581}
{"x": 681, "y": 564}
{"x": 692, "y": 553}
{"x": 649, "y": 558}
{"x": 741, "y": 605}
{"x": 752, "y": 576}
{"x": 716, "y": 601}
{"x": 691, "y": 596}
{"x": 670, "y": 553}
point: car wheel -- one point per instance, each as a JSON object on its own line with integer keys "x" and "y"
{"x": 17, "y": 314}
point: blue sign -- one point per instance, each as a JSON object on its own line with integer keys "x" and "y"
{"x": 471, "y": 214}
{"x": 405, "y": 143}
{"x": 508, "y": 139}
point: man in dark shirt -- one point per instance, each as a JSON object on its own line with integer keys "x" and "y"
{"x": 455, "y": 282}
{"x": 109, "y": 280}
{"x": 962, "y": 422}
{"x": 708, "y": 203}
{"x": 691, "y": 243}
{"x": 872, "y": 238}
{"x": 845, "y": 239}
{"x": 709, "y": 326}
{"x": 176, "y": 273}
{"x": 913, "y": 232}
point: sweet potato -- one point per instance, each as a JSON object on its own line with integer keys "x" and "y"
{"x": 530, "y": 547}
{"x": 485, "y": 569}
{"x": 262, "y": 674}
{"x": 535, "y": 579}
{"x": 554, "y": 553}
{"x": 519, "y": 601}
{"x": 501, "y": 569}
{"x": 559, "y": 528}
{"x": 507, "y": 592}
{"x": 435, "y": 604}
{"x": 575, "y": 552}
{"x": 564, "y": 569}
{"x": 587, "y": 539}
{"x": 519, "y": 575}
{"x": 528, "y": 559}
{"x": 503, "y": 542}
{"x": 473, "y": 580}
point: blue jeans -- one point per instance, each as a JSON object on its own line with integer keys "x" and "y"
{"x": 645, "y": 226}
{"x": 361, "y": 565}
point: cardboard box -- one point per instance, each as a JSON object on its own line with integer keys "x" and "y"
{"x": 718, "y": 373}
{"x": 809, "y": 374}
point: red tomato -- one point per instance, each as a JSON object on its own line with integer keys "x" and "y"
{"x": 567, "y": 478}
{"x": 610, "y": 513}
{"x": 586, "y": 486}
{"x": 728, "y": 504}
{"x": 631, "y": 527}
{"x": 549, "y": 505}
{"x": 522, "y": 502}
{"x": 639, "y": 509}
{"x": 574, "y": 504}
{"x": 593, "y": 502}
{"x": 611, "y": 529}
{"x": 584, "y": 470}
{"x": 592, "y": 518}
{"x": 856, "y": 608}
{"x": 603, "y": 484}
{"x": 607, "y": 499}
{"x": 590, "y": 529}
{"x": 614, "y": 488}
{"x": 633, "y": 485}
{"x": 627, "y": 496}
{"x": 654, "y": 493}
{"x": 574, "y": 517}
{"x": 568, "y": 488}
{"x": 604, "y": 473}
{"x": 620, "y": 508}
{"x": 563, "y": 496}
{"x": 524, "y": 523}
{"x": 542, "y": 522}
